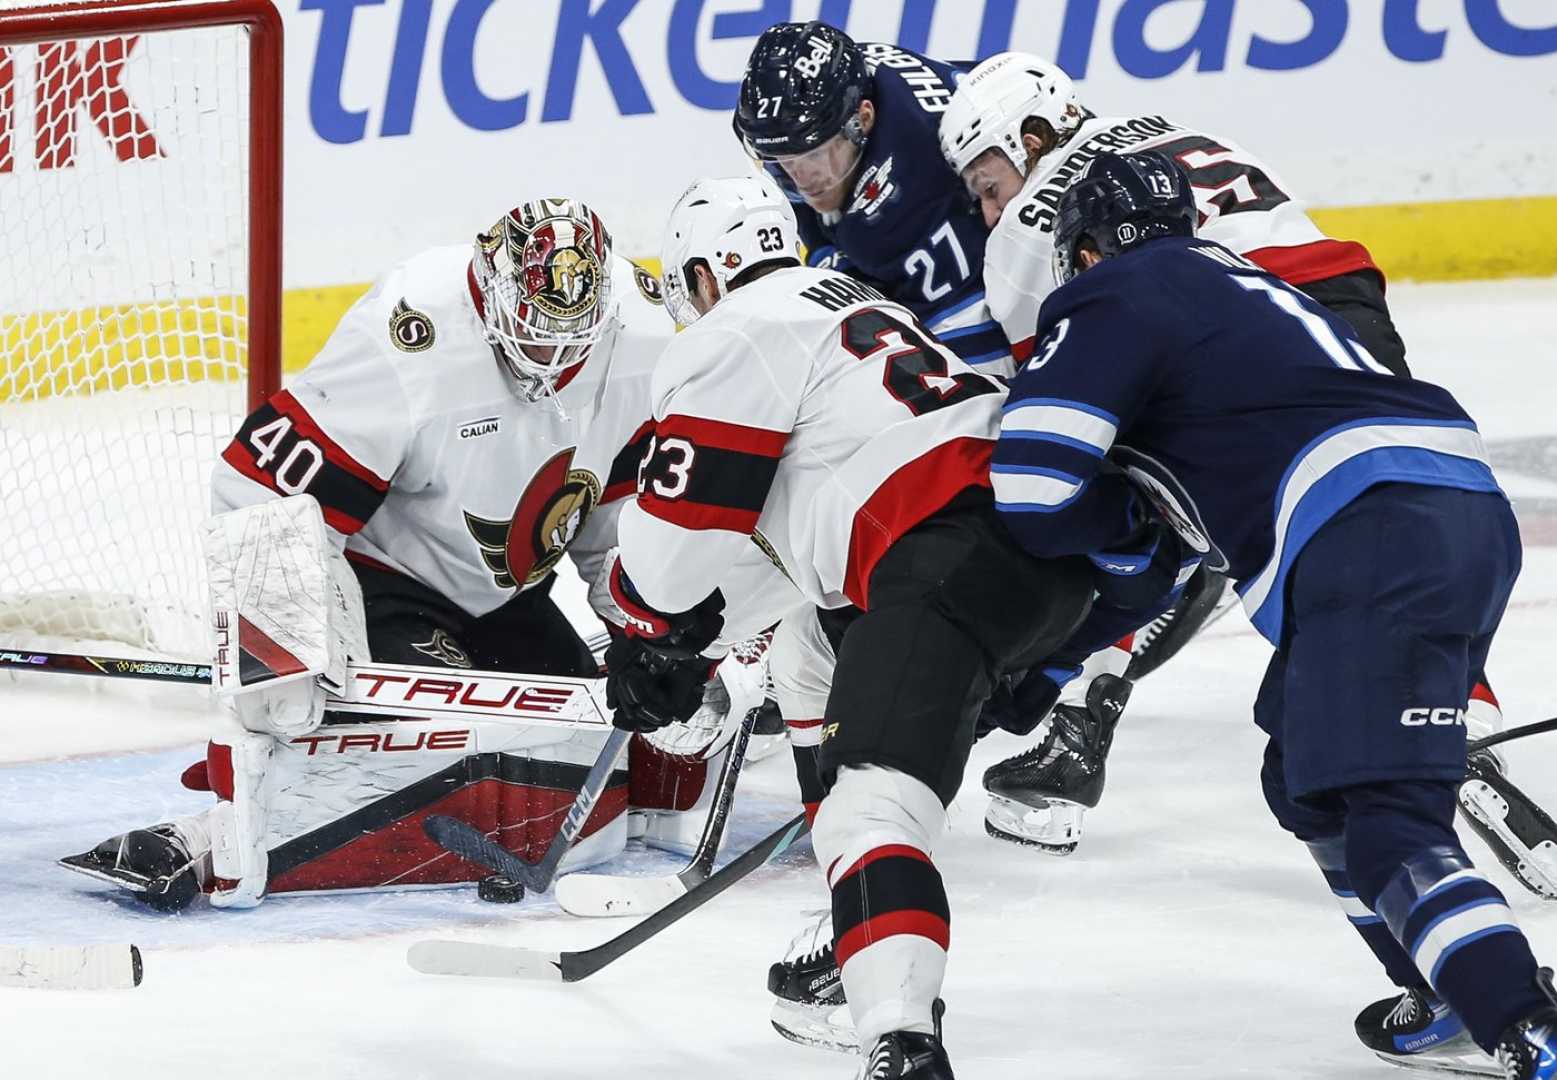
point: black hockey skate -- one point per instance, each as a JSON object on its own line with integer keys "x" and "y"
{"x": 909, "y": 1054}
{"x": 153, "y": 864}
{"x": 1519, "y": 832}
{"x": 1039, "y": 797}
{"x": 809, "y": 1006}
{"x": 1528, "y": 1049}
{"x": 1417, "y": 1030}
{"x": 1207, "y": 596}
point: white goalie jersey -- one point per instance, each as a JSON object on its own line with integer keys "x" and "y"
{"x": 810, "y": 415}
{"x": 1243, "y": 206}
{"x": 425, "y": 461}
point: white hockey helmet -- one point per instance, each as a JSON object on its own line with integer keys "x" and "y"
{"x": 994, "y": 100}
{"x": 544, "y": 275}
{"x": 731, "y": 223}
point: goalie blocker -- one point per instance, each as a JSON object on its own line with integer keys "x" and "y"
{"x": 338, "y": 802}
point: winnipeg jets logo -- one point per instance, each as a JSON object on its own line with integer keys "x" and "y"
{"x": 874, "y": 190}
{"x": 550, "y": 513}
{"x": 1170, "y": 501}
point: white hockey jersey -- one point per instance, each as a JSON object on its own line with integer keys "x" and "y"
{"x": 806, "y": 412}
{"x": 405, "y": 428}
{"x": 1243, "y": 206}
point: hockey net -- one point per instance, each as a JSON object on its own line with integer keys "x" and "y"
{"x": 139, "y": 303}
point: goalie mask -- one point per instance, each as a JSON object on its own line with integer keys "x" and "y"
{"x": 730, "y": 225}
{"x": 544, "y": 277}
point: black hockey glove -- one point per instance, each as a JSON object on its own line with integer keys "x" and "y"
{"x": 1146, "y": 567}
{"x": 1020, "y": 702}
{"x": 647, "y": 689}
{"x": 680, "y": 636}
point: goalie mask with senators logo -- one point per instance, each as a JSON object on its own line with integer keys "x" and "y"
{"x": 544, "y": 277}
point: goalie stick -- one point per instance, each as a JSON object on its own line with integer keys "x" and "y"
{"x": 118, "y": 667}
{"x": 471, "y": 844}
{"x": 383, "y": 691}
{"x": 437, "y": 957}
{"x": 595, "y": 895}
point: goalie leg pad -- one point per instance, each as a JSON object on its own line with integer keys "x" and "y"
{"x": 238, "y": 765}
{"x": 348, "y": 802}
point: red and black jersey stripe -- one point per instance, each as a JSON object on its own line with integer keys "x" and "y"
{"x": 915, "y": 491}
{"x": 348, "y": 491}
{"x": 622, "y": 480}
{"x": 890, "y": 890}
{"x": 1302, "y": 264}
{"x": 709, "y": 474}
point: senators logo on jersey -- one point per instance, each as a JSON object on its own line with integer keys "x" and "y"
{"x": 411, "y": 330}
{"x": 550, "y": 513}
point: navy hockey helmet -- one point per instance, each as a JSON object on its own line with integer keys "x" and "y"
{"x": 803, "y": 85}
{"x": 1118, "y": 202}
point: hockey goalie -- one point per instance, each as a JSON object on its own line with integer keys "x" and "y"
{"x": 406, "y": 500}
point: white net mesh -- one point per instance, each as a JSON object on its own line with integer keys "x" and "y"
{"x": 123, "y": 328}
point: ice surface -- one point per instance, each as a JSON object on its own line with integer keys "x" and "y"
{"x": 1188, "y": 937}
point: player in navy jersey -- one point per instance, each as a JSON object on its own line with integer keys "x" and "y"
{"x": 1369, "y": 541}
{"x": 850, "y": 132}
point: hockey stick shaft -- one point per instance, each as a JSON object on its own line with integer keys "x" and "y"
{"x": 465, "y": 840}
{"x": 473, "y": 958}
{"x": 702, "y": 863}
{"x": 580, "y": 965}
{"x": 1511, "y": 734}
{"x": 538, "y": 877}
{"x": 600, "y": 895}
{"x": 113, "y": 667}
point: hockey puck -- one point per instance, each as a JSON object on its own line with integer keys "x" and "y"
{"x": 497, "y": 889}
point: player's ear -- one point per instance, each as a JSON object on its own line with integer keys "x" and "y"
{"x": 706, "y": 287}
{"x": 1038, "y": 137}
{"x": 867, "y": 116}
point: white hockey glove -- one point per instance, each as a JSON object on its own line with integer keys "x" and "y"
{"x": 287, "y": 613}
{"x": 738, "y": 686}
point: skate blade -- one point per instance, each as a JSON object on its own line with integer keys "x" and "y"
{"x": 1489, "y": 812}
{"x": 123, "y": 879}
{"x": 1027, "y": 841}
{"x": 1464, "y": 1063}
{"x": 1054, "y": 829}
{"x": 810, "y": 1025}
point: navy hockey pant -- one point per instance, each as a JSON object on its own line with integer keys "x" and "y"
{"x": 1391, "y": 608}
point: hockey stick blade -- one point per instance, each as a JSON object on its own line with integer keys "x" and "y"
{"x": 604, "y": 895}
{"x": 468, "y": 958}
{"x": 484, "y": 961}
{"x": 471, "y": 844}
{"x": 71, "y": 967}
